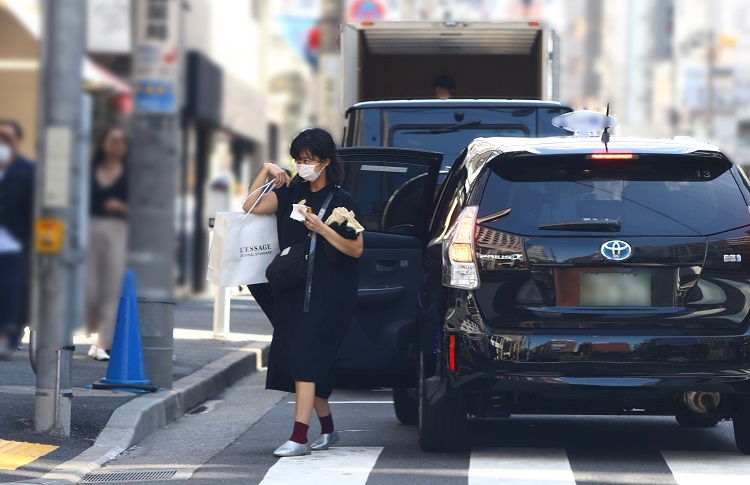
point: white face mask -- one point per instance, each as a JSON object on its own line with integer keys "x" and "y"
{"x": 5, "y": 154}
{"x": 308, "y": 172}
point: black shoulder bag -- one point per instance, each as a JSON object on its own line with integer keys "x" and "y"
{"x": 294, "y": 265}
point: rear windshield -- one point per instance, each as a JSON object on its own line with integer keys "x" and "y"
{"x": 450, "y": 130}
{"x": 652, "y": 195}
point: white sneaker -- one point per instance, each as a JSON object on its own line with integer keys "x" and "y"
{"x": 92, "y": 351}
{"x": 101, "y": 354}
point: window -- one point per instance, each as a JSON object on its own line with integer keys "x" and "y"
{"x": 653, "y": 195}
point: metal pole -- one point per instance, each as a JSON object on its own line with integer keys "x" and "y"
{"x": 59, "y": 246}
{"x": 711, "y": 68}
{"x": 153, "y": 176}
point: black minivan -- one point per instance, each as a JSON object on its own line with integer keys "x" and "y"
{"x": 557, "y": 275}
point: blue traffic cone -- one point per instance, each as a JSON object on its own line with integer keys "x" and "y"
{"x": 126, "y": 370}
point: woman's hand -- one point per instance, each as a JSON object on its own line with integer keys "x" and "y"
{"x": 279, "y": 175}
{"x": 115, "y": 206}
{"x": 314, "y": 224}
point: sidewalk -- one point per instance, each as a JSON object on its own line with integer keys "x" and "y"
{"x": 194, "y": 348}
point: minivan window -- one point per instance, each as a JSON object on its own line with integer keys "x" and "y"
{"x": 652, "y": 195}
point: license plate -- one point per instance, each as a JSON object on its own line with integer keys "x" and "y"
{"x": 626, "y": 289}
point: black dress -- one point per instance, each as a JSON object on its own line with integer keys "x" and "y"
{"x": 305, "y": 345}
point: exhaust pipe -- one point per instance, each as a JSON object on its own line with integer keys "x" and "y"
{"x": 701, "y": 402}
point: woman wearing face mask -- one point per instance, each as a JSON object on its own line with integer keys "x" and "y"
{"x": 305, "y": 344}
{"x": 108, "y": 237}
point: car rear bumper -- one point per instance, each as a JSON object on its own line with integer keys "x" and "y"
{"x": 568, "y": 363}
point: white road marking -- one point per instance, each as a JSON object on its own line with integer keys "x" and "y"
{"x": 340, "y": 466}
{"x": 693, "y": 468}
{"x": 520, "y": 466}
{"x": 353, "y": 402}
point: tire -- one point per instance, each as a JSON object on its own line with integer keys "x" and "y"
{"x": 406, "y": 407}
{"x": 441, "y": 427}
{"x": 741, "y": 424}
{"x": 694, "y": 420}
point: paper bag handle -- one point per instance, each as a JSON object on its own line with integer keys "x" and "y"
{"x": 265, "y": 189}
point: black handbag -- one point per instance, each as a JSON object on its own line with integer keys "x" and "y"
{"x": 294, "y": 265}
{"x": 289, "y": 267}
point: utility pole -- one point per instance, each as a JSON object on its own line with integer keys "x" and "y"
{"x": 154, "y": 163}
{"x": 60, "y": 213}
{"x": 329, "y": 67}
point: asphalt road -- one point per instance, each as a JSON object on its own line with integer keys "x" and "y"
{"x": 232, "y": 443}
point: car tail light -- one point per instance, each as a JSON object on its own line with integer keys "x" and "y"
{"x": 612, "y": 156}
{"x": 459, "y": 265}
{"x": 452, "y": 353}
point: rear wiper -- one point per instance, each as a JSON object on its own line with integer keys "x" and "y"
{"x": 600, "y": 225}
{"x": 494, "y": 216}
{"x": 444, "y": 129}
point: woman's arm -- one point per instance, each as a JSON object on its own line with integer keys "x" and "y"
{"x": 269, "y": 204}
{"x": 349, "y": 247}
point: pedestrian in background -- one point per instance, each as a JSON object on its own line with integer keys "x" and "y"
{"x": 16, "y": 216}
{"x": 108, "y": 238}
{"x": 305, "y": 343}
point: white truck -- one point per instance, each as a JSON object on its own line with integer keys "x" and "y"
{"x": 399, "y": 60}
{"x": 506, "y": 76}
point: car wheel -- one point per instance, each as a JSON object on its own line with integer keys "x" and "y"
{"x": 405, "y": 405}
{"x": 741, "y": 424}
{"x": 442, "y": 427}
{"x": 695, "y": 420}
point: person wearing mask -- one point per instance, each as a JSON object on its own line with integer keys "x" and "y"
{"x": 108, "y": 237}
{"x": 16, "y": 216}
{"x": 444, "y": 87}
{"x": 305, "y": 344}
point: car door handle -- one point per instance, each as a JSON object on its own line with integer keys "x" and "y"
{"x": 386, "y": 264}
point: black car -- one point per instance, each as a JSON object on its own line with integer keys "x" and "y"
{"x": 558, "y": 275}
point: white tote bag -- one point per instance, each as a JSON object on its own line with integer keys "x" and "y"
{"x": 243, "y": 246}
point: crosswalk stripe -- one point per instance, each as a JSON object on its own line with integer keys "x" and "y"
{"x": 520, "y": 466}
{"x": 699, "y": 468}
{"x": 342, "y": 466}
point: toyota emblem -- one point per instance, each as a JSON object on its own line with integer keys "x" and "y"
{"x": 616, "y": 250}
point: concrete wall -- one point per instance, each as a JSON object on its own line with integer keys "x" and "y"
{"x": 18, "y": 85}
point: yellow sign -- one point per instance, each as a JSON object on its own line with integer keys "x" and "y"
{"x": 49, "y": 235}
{"x": 15, "y": 454}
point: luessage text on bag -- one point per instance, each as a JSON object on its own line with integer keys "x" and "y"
{"x": 261, "y": 250}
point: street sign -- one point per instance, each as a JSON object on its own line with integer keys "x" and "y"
{"x": 156, "y": 56}
{"x": 49, "y": 235}
{"x": 57, "y": 141}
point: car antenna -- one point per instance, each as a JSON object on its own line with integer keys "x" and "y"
{"x": 605, "y": 134}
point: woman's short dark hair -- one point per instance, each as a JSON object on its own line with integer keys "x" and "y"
{"x": 320, "y": 144}
{"x": 5, "y": 138}
{"x": 99, "y": 155}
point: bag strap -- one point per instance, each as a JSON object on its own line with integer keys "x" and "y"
{"x": 311, "y": 254}
{"x": 265, "y": 189}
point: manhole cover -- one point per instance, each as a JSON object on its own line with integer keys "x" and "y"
{"x": 142, "y": 476}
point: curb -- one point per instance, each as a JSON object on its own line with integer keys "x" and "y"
{"x": 132, "y": 422}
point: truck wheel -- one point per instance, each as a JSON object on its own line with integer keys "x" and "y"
{"x": 441, "y": 427}
{"x": 694, "y": 420}
{"x": 405, "y": 405}
{"x": 741, "y": 424}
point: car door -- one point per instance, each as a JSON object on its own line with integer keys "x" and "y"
{"x": 395, "y": 191}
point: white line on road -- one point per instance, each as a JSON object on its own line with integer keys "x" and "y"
{"x": 340, "y": 466}
{"x": 699, "y": 468}
{"x": 521, "y": 466}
